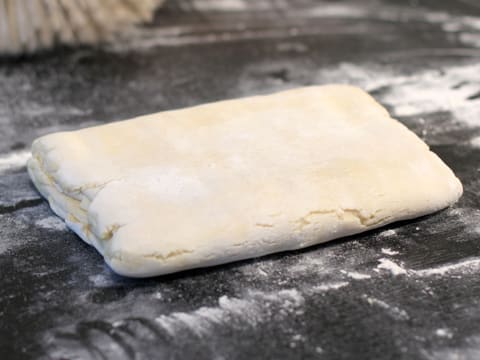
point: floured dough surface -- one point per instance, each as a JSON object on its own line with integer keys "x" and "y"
{"x": 237, "y": 179}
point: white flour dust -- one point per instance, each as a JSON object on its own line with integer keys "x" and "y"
{"x": 475, "y": 142}
{"x": 311, "y": 263}
{"x": 158, "y": 295}
{"x": 393, "y": 311}
{"x": 37, "y": 109}
{"x": 468, "y": 349}
{"x": 453, "y": 89}
{"x": 468, "y": 217}
{"x": 356, "y": 275}
{"x": 9, "y": 231}
{"x": 471, "y": 39}
{"x": 392, "y": 267}
{"x": 51, "y": 222}
{"x": 388, "y": 233}
{"x": 14, "y": 160}
{"x": 437, "y": 101}
{"x": 101, "y": 280}
{"x": 250, "y": 310}
{"x": 388, "y": 251}
{"x": 329, "y": 286}
{"x": 296, "y": 340}
{"x": 469, "y": 265}
{"x": 444, "y": 332}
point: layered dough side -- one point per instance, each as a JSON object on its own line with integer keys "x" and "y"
{"x": 238, "y": 179}
{"x": 72, "y": 206}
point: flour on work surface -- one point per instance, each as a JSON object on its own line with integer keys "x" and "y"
{"x": 51, "y": 222}
{"x": 101, "y": 280}
{"x": 356, "y": 275}
{"x": 37, "y": 109}
{"x": 469, "y": 217}
{"x": 475, "y": 142}
{"x": 418, "y": 95}
{"x": 448, "y": 88}
{"x": 252, "y": 309}
{"x": 14, "y": 159}
{"x": 468, "y": 265}
{"x": 387, "y": 233}
{"x": 393, "y": 311}
{"x": 444, "y": 332}
{"x": 329, "y": 286}
{"x": 391, "y": 266}
{"x": 388, "y": 251}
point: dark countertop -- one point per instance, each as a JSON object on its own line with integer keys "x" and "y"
{"x": 408, "y": 291}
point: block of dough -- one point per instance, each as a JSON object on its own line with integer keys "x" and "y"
{"x": 238, "y": 179}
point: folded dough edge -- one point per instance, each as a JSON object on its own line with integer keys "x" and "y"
{"x": 238, "y": 179}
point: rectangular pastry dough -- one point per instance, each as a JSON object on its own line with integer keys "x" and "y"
{"x": 237, "y": 179}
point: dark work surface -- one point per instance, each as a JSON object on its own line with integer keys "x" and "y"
{"x": 408, "y": 291}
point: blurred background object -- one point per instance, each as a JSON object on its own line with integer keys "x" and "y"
{"x": 30, "y": 25}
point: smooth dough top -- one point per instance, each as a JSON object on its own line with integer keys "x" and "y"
{"x": 239, "y": 178}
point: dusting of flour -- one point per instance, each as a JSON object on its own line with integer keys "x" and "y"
{"x": 388, "y": 251}
{"x": 468, "y": 265}
{"x": 393, "y": 311}
{"x": 391, "y": 266}
{"x": 450, "y": 88}
{"x": 475, "y": 142}
{"x": 387, "y": 233}
{"x": 329, "y": 286}
{"x": 356, "y": 275}
{"x": 250, "y": 310}
{"x": 51, "y": 222}
{"x": 14, "y": 160}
